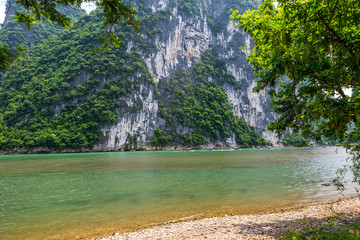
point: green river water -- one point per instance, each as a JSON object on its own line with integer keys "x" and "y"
{"x": 68, "y": 196}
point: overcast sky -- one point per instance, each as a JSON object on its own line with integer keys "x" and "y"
{"x": 87, "y": 6}
{"x": 2, "y": 10}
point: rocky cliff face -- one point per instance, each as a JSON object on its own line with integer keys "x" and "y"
{"x": 181, "y": 38}
{"x": 182, "y": 82}
{"x": 140, "y": 123}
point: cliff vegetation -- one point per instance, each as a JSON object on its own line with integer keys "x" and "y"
{"x": 63, "y": 94}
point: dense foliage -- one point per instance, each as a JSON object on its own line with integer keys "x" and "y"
{"x": 218, "y": 23}
{"x": 316, "y": 45}
{"x": 115, "y": 12}
{"x": 320, "y": 62}
{"x": 14, "y": 34}
{"x": 295, "y": 139}
{"x": 197, "y": 101}
{"x": 189, "y": 7}
{"x": 30, "y": 12}
{"x": 298, "y": 140}
{"x": 62, "y": 94}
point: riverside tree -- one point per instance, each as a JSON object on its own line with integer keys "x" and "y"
{"x": 315, "y": 44}
{"x": 115, "y": 12}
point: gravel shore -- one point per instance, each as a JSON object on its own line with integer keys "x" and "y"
{"x": 259, "y": 226}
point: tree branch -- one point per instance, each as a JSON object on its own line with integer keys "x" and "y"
{"x": 332, "y": 31}
{"x": 35, "y": 7}
{"x": 333, "y": 11}
{"x": 341, "y": 92}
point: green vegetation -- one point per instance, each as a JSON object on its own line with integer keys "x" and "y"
{"x": 30, "y": 12}
{"x": 7, "y": 56}
{"x": 114, "y": 13}
{"x": 218, "y": 23}
{"x": 14, "y": 34}
{"x": 297, "y": 139}
{"x": 330, "y": 231}
{"x": 148, "y": 22}
{"x": 189, "y": 7}
{"x": 196, "y": 100}
{"x": 316, "y": 45}
{"x": 15, "y": 38}
{"x": 320, "y": 63}
{"x": 160, "y": 139}
{"x": 294, "y": 140}
{"x": 62, "y": 95}
{"x": 131, "y": 142}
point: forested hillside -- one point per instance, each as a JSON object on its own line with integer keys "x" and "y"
{"x": 14, "y": 34}
{"x": 63, "y": 96}
{"x": 190, "y": 100}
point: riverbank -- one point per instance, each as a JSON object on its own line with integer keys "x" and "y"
{"x": 101, "y": 150}
{"x": 259, "y": 226}
{"x": 41, "y": 150}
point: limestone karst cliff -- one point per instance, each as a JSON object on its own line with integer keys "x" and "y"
{"x": 182, "y": 82}
{"x": 181, "y": 38}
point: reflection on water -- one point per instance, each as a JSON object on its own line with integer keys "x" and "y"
{"x": 69, "y": 195}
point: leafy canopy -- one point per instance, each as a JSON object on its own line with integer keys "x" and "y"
{"x": 17, "y": 36}
{"x": 115, "y": 12}
{"x": 316, "y": 45}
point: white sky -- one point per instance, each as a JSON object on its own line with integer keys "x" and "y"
{"x": 2, "y": 10}
{"x": 88, "y": 7}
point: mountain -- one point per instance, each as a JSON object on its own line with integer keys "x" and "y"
{"x": 14, "y": 34}
{"x": 183, "y": 82}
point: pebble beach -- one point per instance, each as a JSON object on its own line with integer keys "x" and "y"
{"x": 259, "y": 226}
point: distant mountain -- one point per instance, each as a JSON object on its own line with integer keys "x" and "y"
{"x": 183, "y": 82}
{"x": 14, "y": 34}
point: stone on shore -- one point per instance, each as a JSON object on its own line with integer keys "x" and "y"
{"x": 259, "y": 226}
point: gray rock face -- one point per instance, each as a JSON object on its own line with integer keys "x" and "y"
{"x": 141, "y": 123}
{"x": 179, "y": 44}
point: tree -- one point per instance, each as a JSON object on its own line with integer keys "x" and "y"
{"x": 316, "y": 45}
{"x": 6, "y": 56}
{"x": 115, "y": 12}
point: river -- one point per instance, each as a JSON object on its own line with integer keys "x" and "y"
{"x": 60, "y": 196}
